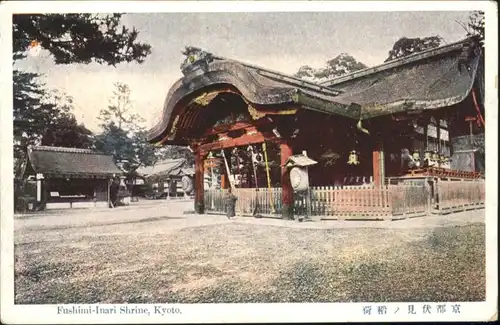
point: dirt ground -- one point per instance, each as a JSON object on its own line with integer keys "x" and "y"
{"x": 155, "y": 253}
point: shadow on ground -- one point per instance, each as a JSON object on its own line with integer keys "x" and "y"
{"x": 250, "y": 263}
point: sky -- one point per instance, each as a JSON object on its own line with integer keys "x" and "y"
{"x": 278, "y": 41}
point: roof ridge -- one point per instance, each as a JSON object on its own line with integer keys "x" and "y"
{"x": 67, "y": 149}
{"x": 414, "y": 57}
{"x": 169, "y": 161}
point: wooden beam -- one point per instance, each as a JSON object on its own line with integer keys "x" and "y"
{"x": 227, "y": 142}
{"x": 287, "y": 192}
{"x": 237, "y": 126}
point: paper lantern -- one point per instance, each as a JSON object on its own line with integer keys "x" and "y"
{"x": 416, "y": 157}
{"x": 353, "y": 158}
{"x": 299, "y": 178}
{"x": 187, "y": 184}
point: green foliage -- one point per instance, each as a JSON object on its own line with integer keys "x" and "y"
{"x": 124, "y": 135}
{"x": 79, "y": 38}
{"x": 406, "y": 46}
{"x": 116, "y": 142}
{"x": 67, "y": 132}
{"x": 119, "y": 111}
{"x": 341, "y": 65}
{"x": 42, "y": 116}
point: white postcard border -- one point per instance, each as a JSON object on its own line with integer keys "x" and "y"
{"x": 210, "y": 313}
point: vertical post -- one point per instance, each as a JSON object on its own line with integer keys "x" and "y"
{"x": 438, "y": 135}
{"x": 426, "y": 134}
{"x": 264, "y": 148}
{"x": 39, "y": 185}
{"x": 378, "y": 163}
{"x": 287, "y": 193}
{"x": 169, "y": 188}
{"x": 198, "y": 183}
{"x": 108, "y": 192}
{"x": 223, "y": 184}
{"x": 38, "y": 190}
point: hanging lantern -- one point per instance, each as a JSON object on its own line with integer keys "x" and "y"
{"x": 353, "y": 158}
{"x": 250, "y": 151}
{"x": 427, "y": 158}
{"x": 435, "y": 156}
{"x": 210, "y": 155}
{"x": 416, "y": 157}
{"x": 257, "y": 158}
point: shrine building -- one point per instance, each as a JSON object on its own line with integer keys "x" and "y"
{"x": 415, "y": 121}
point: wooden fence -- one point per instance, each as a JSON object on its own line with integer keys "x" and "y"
{"x": 389, "y": 202}
{"x": 214, "y": 200}
{"x": 459, "y": 195}
{"x": 362, "y": 202}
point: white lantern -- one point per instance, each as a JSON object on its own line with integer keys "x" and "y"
{"x": 187, "y": 184}
{"x": 299, "y": 178}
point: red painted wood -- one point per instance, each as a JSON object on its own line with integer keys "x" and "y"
{"x": 377, "y": 161}
{"x": 287, "y": 193}
{"x": 223, "y": 183}
{"x": 228, "y": 128}
{"x": 198, "y": 178}
{"x": 237, "y": 126}
{"x": 243, "y": 140}
{"x": 377, "y": 179}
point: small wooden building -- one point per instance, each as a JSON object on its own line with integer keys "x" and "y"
{"x": 166, "y": 177}
{"x": 395, "y": 120}
{"x": 69, "y": 177}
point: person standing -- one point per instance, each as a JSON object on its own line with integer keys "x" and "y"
{"x": 230, "y": 204}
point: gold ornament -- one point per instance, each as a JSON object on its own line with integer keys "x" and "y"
{"x": 353, "y": 158}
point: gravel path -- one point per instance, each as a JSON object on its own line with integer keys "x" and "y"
{"x": 157, "y": 253}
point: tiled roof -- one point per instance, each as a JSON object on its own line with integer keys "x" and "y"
{"x": 428, "y": 80}
{"x": 165, "y": 169}
{"x": 71, "y": 161}
{"x": 300, "y": 160}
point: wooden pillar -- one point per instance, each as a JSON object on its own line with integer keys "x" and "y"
{"x": 287, "y": 192}
{"x": 109, "y": 193}
{"x": 223, "y": 183}
{"x": 378, "y": 163}
{"x": 426, "y": 135}
{"x": 199, "y": 205}
{"x": 438, "y": 134}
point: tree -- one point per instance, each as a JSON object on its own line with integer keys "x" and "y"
{"x": 67, "y": 132}
{"x": 406, "y": 46}
{"x": 119, "y": 111}
{"x": 78, "y": 38}
{"x": 124, "y": 135}
{"x": 341, "y": 65}
{"x": 475, "y": 25}
{"x": 43, "y": 117}
{"x": 305, "y": 72}
{"x": 69, "y": 38}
